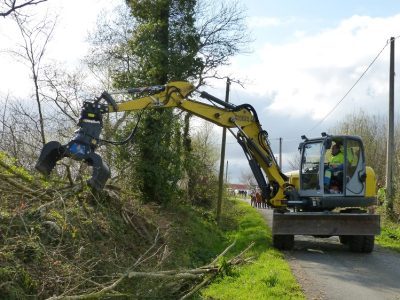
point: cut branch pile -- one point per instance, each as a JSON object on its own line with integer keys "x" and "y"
{"x": 54, "y": 235}
{"x": 196, "y": 278}
{"x": 60, "y": 241}
{"x": 16, "y": 181}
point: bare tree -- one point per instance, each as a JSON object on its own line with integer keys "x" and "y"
{"x": 221, "y": 28}
{"x": 12, "y": 6}
{"x": 205, "y": 140}
{"x": 201, "y": 173}
{"x": 110, "y": 52}
{"x": 35, "y": 38}
{"x": 65, "y": 90}
{"x": 248, "y": 178}
{"x": 294, "y": 162}
{"x": 223, "y": 33}
{"x": 19, "y": 131}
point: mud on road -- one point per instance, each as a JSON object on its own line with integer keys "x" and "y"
{"x": 326, "y": 269}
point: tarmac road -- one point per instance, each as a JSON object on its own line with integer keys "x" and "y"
{"x": 326, "y": 269}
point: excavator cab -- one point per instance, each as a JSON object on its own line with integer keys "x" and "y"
{"x": 332, "y": 171}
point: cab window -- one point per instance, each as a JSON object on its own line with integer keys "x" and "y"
{"x": 310, "y": 166}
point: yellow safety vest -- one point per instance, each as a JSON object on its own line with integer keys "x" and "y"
{"x": 337, "y": 159}
{"x": 349, "y": 154}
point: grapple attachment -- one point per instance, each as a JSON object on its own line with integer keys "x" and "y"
{"x": 51, "y": 153}
{"x": 54, "y": 151}
{"x": 81, "y": 147}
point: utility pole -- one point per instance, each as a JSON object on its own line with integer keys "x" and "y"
{"x": 222, "y": 159}
{"x": 390, "y": 142}
{"x": 226, "y": 171}
{"x": 280, "y": 152}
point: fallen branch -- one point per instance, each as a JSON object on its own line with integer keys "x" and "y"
{"x": 208, "y": 278}
{"x": 207, "y": 272}
{"x": 135, "y": 228}
{"x": 142, "y": 231}
{"x": 198, "y": 287}
{"x": 21, "y": 187}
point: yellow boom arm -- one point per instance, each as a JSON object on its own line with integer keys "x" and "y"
{"x": 250, "y": 134}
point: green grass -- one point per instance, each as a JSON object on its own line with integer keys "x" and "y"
{"x": 195, "y": 238}
{"x": 268, "y": 276}
{"x": 390, "y": 231}
{"x": 390, "y": 236}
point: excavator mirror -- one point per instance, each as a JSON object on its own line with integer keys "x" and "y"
{"x": 328, "y": 143}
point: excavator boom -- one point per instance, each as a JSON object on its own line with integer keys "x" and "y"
{"x": 250, "y": 135}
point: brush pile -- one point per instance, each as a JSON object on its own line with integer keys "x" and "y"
{"x": 63, "y": 241}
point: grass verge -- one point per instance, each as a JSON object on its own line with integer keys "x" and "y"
{"x": 268, "y": 277}
{"x": 390, "y": 232}
{"x": 390, "y": 236}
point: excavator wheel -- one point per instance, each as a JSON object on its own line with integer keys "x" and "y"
{"x": 344, "y": 239}
{"x": 369, "y": 242}
{"x": 361, "y": 243}
{"x": 283, "y": 241}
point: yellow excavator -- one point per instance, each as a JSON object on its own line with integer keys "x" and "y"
{"x": 316, "y": 200}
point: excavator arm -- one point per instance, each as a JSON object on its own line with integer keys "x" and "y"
{"x": 243, "y": 118}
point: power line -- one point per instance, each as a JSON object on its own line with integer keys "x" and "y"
{"x": 285, "y": 140}
{"x": 348, "y": 92}
{"x": 291, "y": 139}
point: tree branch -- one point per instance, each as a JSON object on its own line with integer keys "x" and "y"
{"x": 208, "y": 272}
{"x": 12, "y": 6}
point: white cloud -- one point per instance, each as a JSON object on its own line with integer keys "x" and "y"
{"x": 257, "y": 22}
{"x": 263, "y": 22}
{"x": 68, "y": 45}
{"x": 76, "y": 19}
{"x": 309, "y": 75}
{"x": 295, "y": 83}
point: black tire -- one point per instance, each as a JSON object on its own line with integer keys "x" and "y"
{"x": 344, "y": 239}
{"x": 369, "y": 242}
{"x": 356, "y": 243}
{"x": 361, "y": 243}
{"x": 283, "y": 241}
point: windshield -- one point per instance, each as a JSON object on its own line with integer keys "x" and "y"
{"x": 310, "y": 166}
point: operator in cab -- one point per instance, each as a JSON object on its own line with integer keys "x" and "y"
{"x": 332, "y": 180}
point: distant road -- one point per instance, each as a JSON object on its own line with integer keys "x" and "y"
{"x": 326, "y": 269}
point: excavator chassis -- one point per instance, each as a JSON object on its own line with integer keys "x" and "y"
{"x": 355, "y": 229}
{"x": 325, "y": 223}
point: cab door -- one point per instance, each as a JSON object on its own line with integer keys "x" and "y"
{"x": 355, "y": 172}
{"x": 310, "y": 175}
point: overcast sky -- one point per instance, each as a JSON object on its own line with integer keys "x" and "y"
{"x": 306, "y": 55}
